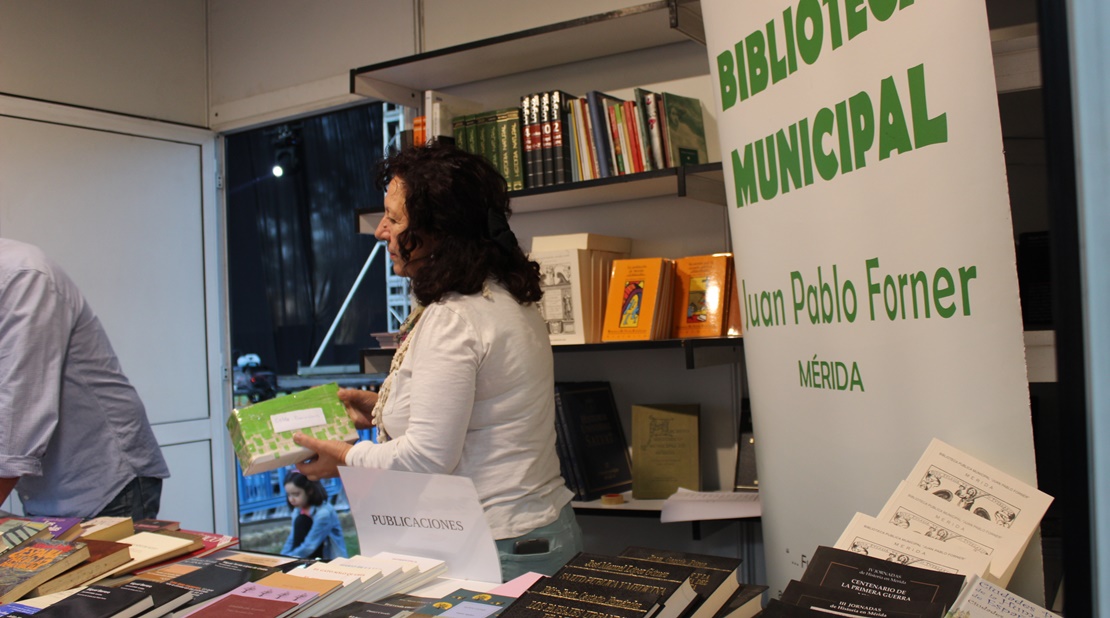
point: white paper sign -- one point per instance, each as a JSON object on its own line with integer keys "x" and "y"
{"x": 431, "y": 515}
{"x": 298, "y": 419}
{"x": 874, "y": 250}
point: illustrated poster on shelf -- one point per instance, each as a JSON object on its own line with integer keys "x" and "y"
{"x": 874, "y": 251}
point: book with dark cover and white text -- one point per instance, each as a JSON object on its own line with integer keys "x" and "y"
{"x": 777, "y": 609}
{"x": 715, "y": 577}
{"x": 645, "y": 603}
{"x": 100, "y": 602}
{"x": 560, "y": 147}
{"x": 220, "y": 577}
{"x": 868, "y": 575}
{"x": 594, "y": 438}
{"x": 32, "y": 564}
{"x": 671, "y": 582}
{"x": 845, "y": 602}
{"x": 166, "y": 597}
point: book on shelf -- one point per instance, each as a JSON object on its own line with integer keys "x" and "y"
{"x": 526, "y": 144}
{"x": 535, "y": 160}
{"x": 61, "y": 528}
{"x": 871, "y": 575}
{"x": 36, "y": 562}
{"x": 560, "y": 138}
{"x": 262, "y": 434}
{"x": 509, "y": 147}
{"x": 671, "y": 582}
{"x": 841, "y": 602}
{"x": 621, "y": 160}
{"x": 744, "y": 602}
{"x": 165, "y": 597}
{"x": 575, "y": 269}
{"x": 103, "y": 557}
{"x": 638, "y": 307}
{"x": 547, "y": 163}
{"x": 567, "y": 294}
{"x": 100, "y": 602}
{"x": 703, "y": 286}
{"x": 747, "y": 477}
{"x": 983, "y": 599}
{"x": 653, "y": 126}
{"x": 16, "y": 532}
{"x": 420, "y": 130}
{"x": 715, "y": 578}
{"x": 597, "y": 104}
{"x": 554, "y": 596}
{"x": 440, "y": 109}
{"x": 665, "y": 451}
{"x": 597, "y": 452}
{"x": 684, "y": 130}
{"x": 107, "y": 528}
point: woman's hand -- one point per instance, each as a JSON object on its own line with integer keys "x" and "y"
{"x": 360, "y": 406}
{"x": 330, "y": 454}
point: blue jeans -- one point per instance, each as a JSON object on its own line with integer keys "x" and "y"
{"x": 564, "y": 539}
{"x": 139, "y": 499}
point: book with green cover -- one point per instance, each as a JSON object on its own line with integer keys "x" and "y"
{"x": 684, "y": 130}
{"x": 262, "y": 434}
{"x": 665, "y": 454}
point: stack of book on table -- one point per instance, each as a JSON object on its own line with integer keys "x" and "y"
{"x": 945, "y": 544}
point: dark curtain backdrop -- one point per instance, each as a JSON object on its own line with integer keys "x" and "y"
{"x": 293, "y": 244}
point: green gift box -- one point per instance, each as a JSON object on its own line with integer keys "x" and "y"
{"x": 262, "y": 434}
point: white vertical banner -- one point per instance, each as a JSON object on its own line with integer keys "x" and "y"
{"x": 874, "y": 249}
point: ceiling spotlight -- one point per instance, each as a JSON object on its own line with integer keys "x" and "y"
{"x": 285, "y": 145}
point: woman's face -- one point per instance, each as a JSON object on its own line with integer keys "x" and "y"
{"x": 394, "y": 221}
{"x": 296, "y": 496}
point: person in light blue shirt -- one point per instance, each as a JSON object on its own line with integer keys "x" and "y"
{"x": 316, "y": 532}
{"x": 74, "y": 436}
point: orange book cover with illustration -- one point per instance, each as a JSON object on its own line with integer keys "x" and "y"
{"x": 703, "y": 285}
{"x": 633, "y": 304}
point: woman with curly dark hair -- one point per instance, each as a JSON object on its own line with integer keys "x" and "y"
{"x": 471, "y": 387}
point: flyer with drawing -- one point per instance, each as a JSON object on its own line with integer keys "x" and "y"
{"x": 1003, "y": 511}
{"x": 869, "y": 536}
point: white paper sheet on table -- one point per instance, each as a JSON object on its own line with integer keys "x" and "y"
{"x": 686, "y": 505}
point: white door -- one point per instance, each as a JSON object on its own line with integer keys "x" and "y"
{"x": 128, "y": 208}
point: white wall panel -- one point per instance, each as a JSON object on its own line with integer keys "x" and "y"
{"x": 186, "y": 497}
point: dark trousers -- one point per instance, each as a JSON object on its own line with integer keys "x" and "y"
{"x": 139, "y": 499}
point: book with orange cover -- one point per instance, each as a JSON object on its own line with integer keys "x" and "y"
{"x": 703, "y": 287}
{"x": 25, "y": 568}
{"x": 638, "y": 307}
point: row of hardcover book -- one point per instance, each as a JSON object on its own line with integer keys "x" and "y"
{"x": 554, "y": 137}
{"x": 593, "y": 292}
